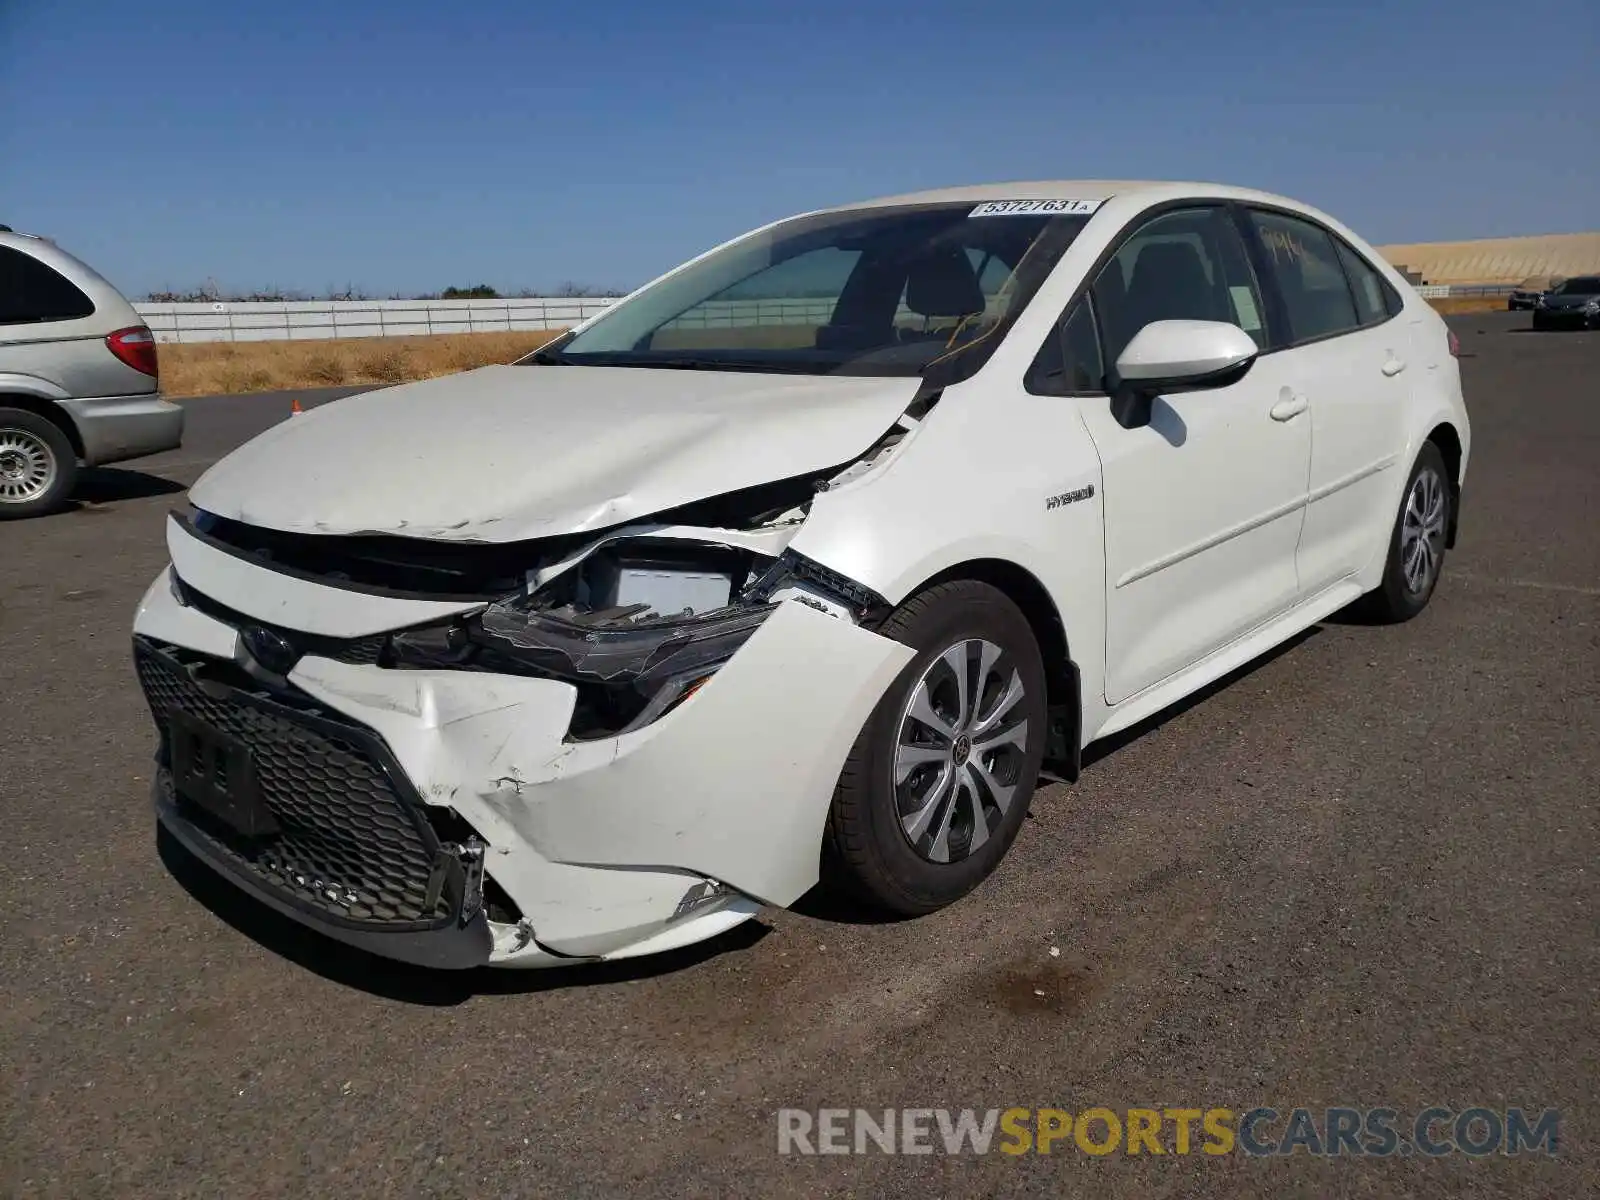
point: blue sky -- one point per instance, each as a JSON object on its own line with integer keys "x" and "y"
{"x": 406, "y": 146}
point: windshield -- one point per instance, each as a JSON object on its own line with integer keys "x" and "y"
{"x": 1583, "y": 285}
{"x": 924, "y": 289}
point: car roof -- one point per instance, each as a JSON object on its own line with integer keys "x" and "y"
{"x": 27, "y": 241}
{"x": 1077, "y": 189}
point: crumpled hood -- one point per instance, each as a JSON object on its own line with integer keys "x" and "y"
{"x": 506, "y": 453}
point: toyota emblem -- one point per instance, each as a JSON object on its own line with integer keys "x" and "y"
{"x": 271, "y": 649}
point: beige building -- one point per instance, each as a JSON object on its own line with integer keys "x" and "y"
{"x": 1500, "y": 260}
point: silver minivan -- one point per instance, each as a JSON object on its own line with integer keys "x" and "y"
{"x": 79, "y": 381}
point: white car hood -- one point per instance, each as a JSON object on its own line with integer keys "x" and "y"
{"x": 506, "y": 453}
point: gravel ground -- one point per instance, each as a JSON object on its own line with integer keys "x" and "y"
{"x": 1361, "y": 873}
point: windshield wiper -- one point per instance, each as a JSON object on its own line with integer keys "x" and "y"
{"x": 547, "y": 358}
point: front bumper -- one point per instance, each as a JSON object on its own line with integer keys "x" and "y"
{"x": 1565, "y": 318}
{"x": 116, "y": 428}
{"x": 455, "y": 945}
{"x": 599, "y": 849}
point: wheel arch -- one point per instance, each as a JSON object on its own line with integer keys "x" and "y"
{"x": 1064, "y": 691}
{"x": 50, "y": 411}
{"x": 1446, "y": 437}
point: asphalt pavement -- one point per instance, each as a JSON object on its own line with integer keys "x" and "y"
{"x": 1361, "y": 873}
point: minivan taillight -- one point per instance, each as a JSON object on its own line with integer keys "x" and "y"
{"x": 1455, "y": 344}
{"x": 135, "y": 346}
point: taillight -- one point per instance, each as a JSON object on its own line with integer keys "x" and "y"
{"x": 135, "y": 346}
{"x": 1455, "y": 344}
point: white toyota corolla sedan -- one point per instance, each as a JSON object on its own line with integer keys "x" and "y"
{"x": 803, "y": 561}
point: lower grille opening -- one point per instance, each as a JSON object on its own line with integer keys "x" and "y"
{"x": 346, "y": 838}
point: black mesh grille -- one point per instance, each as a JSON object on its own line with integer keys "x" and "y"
{"x": 348, "y": 845}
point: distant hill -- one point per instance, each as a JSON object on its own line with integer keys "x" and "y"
{"x": 1499, "y": 260}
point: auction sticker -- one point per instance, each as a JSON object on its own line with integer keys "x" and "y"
{"x": 1034, "y": 208}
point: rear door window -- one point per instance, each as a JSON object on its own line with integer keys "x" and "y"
{"x": 1301, "y": 256}
{"x": 31, "y": 292}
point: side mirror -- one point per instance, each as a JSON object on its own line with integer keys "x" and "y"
{"x": 1178, "y": 356}
{"x": 1170, "y": 356}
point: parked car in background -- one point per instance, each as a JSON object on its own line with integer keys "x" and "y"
{"x": 800, "y": 562}
{"x": 1572, "y": 304}
{"x": 79, "y": 380}
{"x": 1526, "y": 294}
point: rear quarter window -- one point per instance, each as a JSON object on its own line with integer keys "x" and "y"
{"x": 32, "y": 292}
{"x": 1376, "y": 300}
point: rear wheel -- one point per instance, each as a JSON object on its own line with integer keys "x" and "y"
{"x": 1416, "y": 545}
{"x": 38, "y": 466}
{"x": 940, "y": 778}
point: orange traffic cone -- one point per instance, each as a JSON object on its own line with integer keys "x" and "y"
{"x": 294, "y": 407}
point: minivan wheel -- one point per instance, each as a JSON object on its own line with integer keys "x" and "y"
{"x": 1416, "y": 546}
{"x": 38, "y": 466}
{"x": 941, "y": 776}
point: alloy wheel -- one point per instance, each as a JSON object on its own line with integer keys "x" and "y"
{"x": 1422, "y": 532}
{"x": 962, "y": 744}
{"x": 27, "y": 466}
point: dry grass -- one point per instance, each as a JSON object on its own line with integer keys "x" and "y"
{"x": 1469, "y": 304}
{"x": 216, "y": 368}
{"x": 220, "y": 368}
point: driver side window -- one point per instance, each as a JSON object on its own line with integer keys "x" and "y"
{"x": 1189, "y": 264}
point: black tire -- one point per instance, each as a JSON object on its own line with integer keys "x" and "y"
{"x": 1395, "y": 599}
{"x": 867, "y": 851}
{"x": 24, "y": 437}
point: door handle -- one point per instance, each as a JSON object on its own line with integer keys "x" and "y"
{"x": 1393, "y": 367}
{"x": 1288, "y": 409}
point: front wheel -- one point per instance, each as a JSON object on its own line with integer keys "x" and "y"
{"x": 38, "y": 466}
{"x": 941, "y": 776}
{"x": 1417, "y": 543}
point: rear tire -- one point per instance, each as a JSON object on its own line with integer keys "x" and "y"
{"x": 38, "y": 466}
{"x": 1416, "y": 544}
{"x": 940, "y": 778}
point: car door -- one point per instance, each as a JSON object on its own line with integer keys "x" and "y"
{"x": 1203, "y": 504}
{"x": 1342, "y": 350}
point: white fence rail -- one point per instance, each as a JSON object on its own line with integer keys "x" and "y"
{"x": 261, "y": 321}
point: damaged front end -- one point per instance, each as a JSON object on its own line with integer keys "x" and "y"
{"x": 635, "y": 618}
{"x": 638, "y": 618}
{"x": 636, "y": 625}
{"x": 483, "y": 687}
